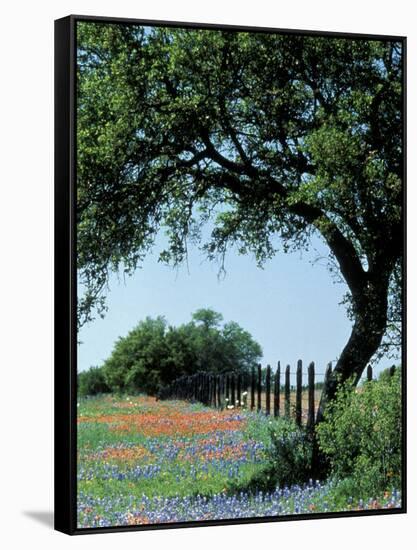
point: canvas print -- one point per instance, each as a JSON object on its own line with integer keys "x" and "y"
{"x": 239, "y": 251}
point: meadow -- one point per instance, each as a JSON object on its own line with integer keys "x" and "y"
{"x": 143, "y": 461}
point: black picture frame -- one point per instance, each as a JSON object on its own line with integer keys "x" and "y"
{"x": 66, "y": 276}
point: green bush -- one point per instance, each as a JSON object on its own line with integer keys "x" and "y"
{"x": 153, "y": 354}
{"x": 92, "y": 382}
{"x": 361, "y": 435}
{"x": 387, "y": 373}
{"x": 290, "y": 454}
{"x": 288, "y": 457}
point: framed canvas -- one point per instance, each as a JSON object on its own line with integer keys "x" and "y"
{"x": 229, "y": 274}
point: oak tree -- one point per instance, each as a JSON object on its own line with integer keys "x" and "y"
{"x": 267, "y": 139}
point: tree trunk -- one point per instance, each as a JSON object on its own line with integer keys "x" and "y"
{"x": 366, "y": 336}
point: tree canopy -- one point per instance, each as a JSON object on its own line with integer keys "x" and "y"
{"x": 154, "y": 353}
{"x": 268, "y": 138}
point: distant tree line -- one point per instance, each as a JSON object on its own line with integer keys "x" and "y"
{"x": 154, "y": 354}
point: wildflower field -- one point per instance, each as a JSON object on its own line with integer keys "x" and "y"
{"x": 143, "y": 461}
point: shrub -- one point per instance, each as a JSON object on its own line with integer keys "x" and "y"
{"x": 92, "y": 382}
{"x": 288, "y": 457}
{"x": 361, "y": 434}
{"x": 387, "y": 373}
{"x": 290, "y": 453}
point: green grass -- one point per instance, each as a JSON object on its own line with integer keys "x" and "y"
{"x": 169, "y": 475}
{"x": 133, "y": 448}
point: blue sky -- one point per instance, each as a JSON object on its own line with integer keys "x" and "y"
{"x": 291, "y": 307}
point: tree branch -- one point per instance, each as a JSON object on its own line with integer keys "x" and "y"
{"x": 344, "y": 251}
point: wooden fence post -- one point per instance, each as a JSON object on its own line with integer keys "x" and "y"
{"x": 328, "y": 372}
{"x": 204, "y": 384}
{"x": 246, "y": 389}
{"x": 252, "y": 389}
{"x": 369, "y": 373}
{"x": 277, "y": 388}
{"x": 207, "y": 389}
{"x": 247, "y": 385}
{"x": 287, "y": 391}
{"x": 268, "y": 390}
{"x": 259, "y": 387}
{"x": 210, "y": 389}
{"x": 299, "y": 389}
{"x": 311, "y": 412}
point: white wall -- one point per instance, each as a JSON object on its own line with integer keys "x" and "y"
{"x": 26, "y": 255}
